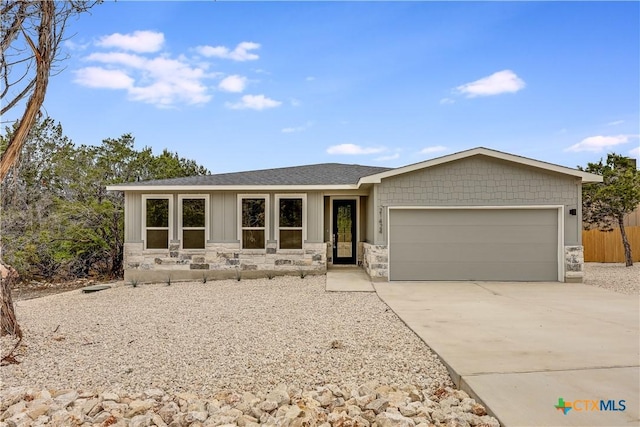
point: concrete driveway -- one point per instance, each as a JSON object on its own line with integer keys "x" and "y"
{"x": 519, "y": 347}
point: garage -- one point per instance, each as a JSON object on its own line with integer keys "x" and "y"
{"x": 490, "y": 244}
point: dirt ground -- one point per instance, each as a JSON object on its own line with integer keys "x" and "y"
{"x": 33, "y": 289}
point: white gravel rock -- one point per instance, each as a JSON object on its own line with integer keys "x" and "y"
{"x": 279, "y": 351}
{"x": 613, "y": 276}
{"x": 200, "y": 338}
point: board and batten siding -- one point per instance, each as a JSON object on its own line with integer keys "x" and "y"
{"x": 223, "y": 215}
{"x": 315, "y": 217}
{"x": 370, "y": 229}
{"x": 482, "y": 181}
{"x": 133, "y": 218}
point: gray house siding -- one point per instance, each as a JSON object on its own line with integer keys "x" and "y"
{"x": 478, "y": 181}
{"x": 315, "y": 217}
{"x": 222, "y": 256}
{"x": 223, "y": 215}
{"x": 482, "y": 181}
{"x": 133, "y": 216}
{"x": 370, "y": 229}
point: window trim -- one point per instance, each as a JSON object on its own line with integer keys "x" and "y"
{"x": 278, "y": 197}
{"x": 266, "y": 197}
{"x": 144, "y": 227}
{"x": 206, "y": 198}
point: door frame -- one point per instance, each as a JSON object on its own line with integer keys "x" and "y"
{"x": 356, "y": 222}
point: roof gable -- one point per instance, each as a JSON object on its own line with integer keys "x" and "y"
{"x": 481, "y": 151}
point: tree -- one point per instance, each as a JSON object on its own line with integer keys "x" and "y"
{"x": 605, "y": 204}
{"x": 58, "y": 221}
{"x": 30, "y": 38}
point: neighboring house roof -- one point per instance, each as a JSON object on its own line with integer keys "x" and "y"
{"x": 331, "y": 175}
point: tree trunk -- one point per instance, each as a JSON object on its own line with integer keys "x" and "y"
{"x": 625, "y": 242}
{"x": 8, "y": 322}
{"x": 44, "y": 55}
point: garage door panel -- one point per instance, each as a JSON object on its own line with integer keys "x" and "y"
{"x": 472, "y": 233}
{"x": 473, "y": 244}
{"x": 476, "y": 271}
{"x": 479, "y": 252}
{"x": 497, "y": 217}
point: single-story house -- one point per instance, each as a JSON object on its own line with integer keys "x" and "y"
{"x": 478, "y": 214}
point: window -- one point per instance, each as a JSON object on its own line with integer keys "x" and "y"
{"x": 291, "y": 220}
{"x": 193, "y": 220}
{"x": 253, "y": 221}
{"x": 157, "y": 219}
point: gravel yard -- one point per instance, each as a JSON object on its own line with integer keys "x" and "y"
{"x": 614, "y": 277}
{"x": 169, "y": 355}
{"x": 195, "y": 337}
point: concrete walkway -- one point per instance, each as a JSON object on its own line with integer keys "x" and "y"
{"x": 519, "y": 347}
{"x": 348, "y": 279}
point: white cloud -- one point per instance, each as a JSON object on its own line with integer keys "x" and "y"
{"x": 445, "y": 101}
{"x": 635, "y": 152}
{"x": 310, "y": 78}
{"x": 136, "y": 63}
{"x": 505, "y": 81}
{"x": 127, "y": 59}
{"x": 599, "y": 143}
{"x": 433, "y": 149}
{"x": 297, "y": 129}
{"x": 138, "y": 41}
{"x": 386, "y": 158}
{"x": 254, "y": 102}
{"x": 97, "y": 77}
{"x": 159, "y": 80}
{"x": 352, "y": 149}
{"x": 71, "y": 45}
{"x": 233, "y": 83}
{"x": 615, "y": 123}
{"x": 240, "y": 53}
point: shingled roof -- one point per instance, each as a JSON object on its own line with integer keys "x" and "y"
{"x": 320, "y": 174}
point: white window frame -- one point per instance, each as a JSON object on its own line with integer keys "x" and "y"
{"x": 182, "y": 197}
{"x": 144, "y": 227}
{"x": 266, "y": 198}
{"x": 304, "y": 218}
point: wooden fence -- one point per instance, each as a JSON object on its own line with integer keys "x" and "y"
{"x": 606, "y": 246}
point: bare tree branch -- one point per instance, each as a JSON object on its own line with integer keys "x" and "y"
{"x": 18, "y": 97}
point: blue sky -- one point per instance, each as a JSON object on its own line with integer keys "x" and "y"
{"x": 252, "y": 85}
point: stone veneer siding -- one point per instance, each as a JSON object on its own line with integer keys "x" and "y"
{"x": 375, "y": 261}
{"x": 220, "y": 261}
{"x": 574, "y": 264}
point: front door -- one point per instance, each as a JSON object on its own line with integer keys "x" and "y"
{"x": 344, "y": 232}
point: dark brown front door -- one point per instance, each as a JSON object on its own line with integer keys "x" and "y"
{"x": 344, "y": 232}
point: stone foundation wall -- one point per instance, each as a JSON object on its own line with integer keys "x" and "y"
{"x": 220, "y": 261}
{"x": 375, "y": 260}
{"x": 573, "y": 264}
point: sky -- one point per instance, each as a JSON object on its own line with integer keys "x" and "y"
{"x": 253, "y": 85}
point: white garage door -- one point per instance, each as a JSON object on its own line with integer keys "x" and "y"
{"x": 473, "y": 244}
